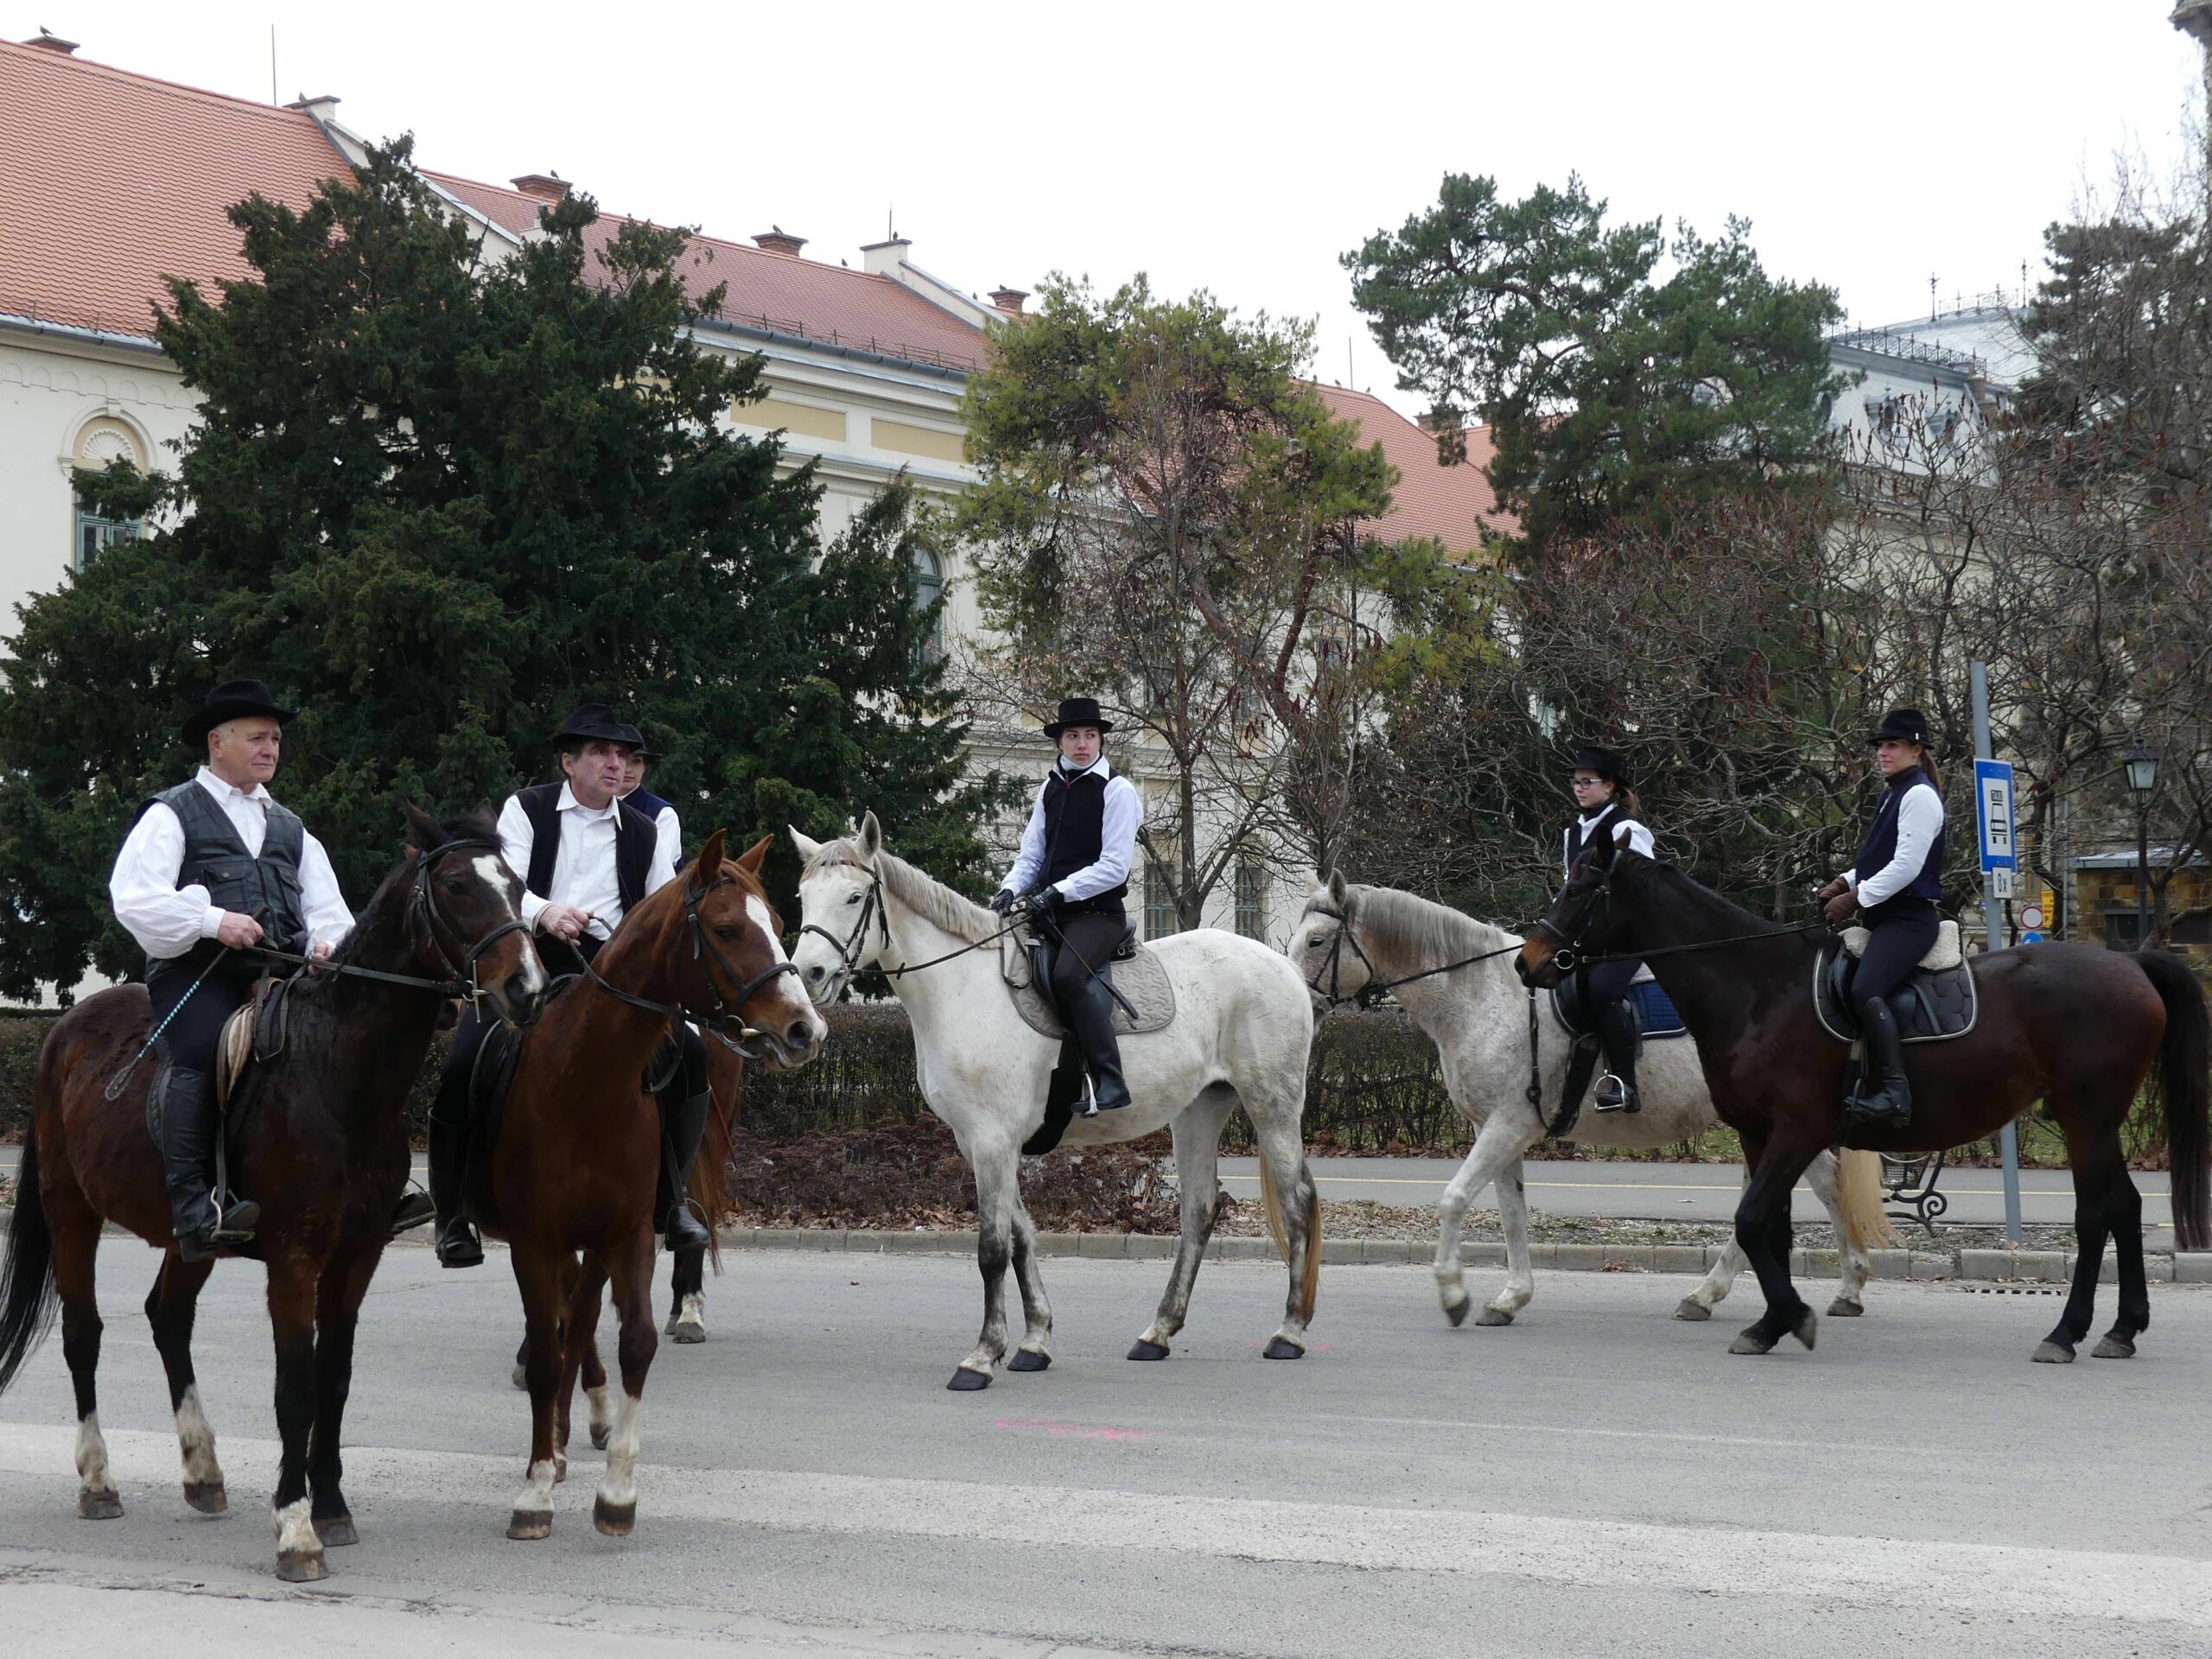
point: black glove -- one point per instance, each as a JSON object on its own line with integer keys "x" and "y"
{"x": 1048, "y": 901}
{"x": 1003, "y": 900}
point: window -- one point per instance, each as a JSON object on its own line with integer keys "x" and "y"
{"x": 1251, "y": 897}
{"x": 929, "y": 587}
{"x": 95, "y": 534}
{"x": 1160, "y": 916}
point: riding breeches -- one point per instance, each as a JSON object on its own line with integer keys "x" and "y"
{"x": 1608, "y": 983}
{"x": 195, "y": 1017}
{"x": 1894, "y": 947}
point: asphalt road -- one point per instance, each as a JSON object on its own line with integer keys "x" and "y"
{"x": 1596, "y": 1480}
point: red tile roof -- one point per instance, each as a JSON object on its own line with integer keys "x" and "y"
{"x": 1453, "y": 503}
{"x": 781, "y": 293}
{"x": 113, "y": 180}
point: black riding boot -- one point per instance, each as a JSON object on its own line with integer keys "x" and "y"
{"x": 1885, "y": 1098}
{"x": 682, "y": 1122}
{"x": 1618, "y": 1035}
{"x": 189, "y": 1126}
{"x": 1091, "y": 1017}
{"x": 458, "y": 1246}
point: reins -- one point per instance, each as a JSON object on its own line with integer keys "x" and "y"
{"x": 729, "y": 1010}
{"x": 1376, "y": 985}
{"x": 874, "y": 909}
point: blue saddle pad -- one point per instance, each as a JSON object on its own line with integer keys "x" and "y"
{"x": 1655, "y": 1011}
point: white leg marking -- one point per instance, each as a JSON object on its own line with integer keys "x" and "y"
{"x": 295, "y": 1527}
{"x": 692, "y": 1316}
{"x": 617, "y": 1484}
{"x": 91, "y": 1456}
{"x": 602, "y": 1409}
{"x": 536, "y": 1495}
{"x": 197, "y": 1441}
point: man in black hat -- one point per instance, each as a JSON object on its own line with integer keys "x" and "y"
{"x": 210, "y": 869}
{"x": 1073, "y": 869}
{"x": 586, "y": 857}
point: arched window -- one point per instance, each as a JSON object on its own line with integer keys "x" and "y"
{"x": 929, "y": 587}
{"x": 102, "y": 441}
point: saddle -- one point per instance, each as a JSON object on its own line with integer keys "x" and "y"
{"x": 1656, "y": 1020}
{"x": 257, "y": 1031}
{"x": 1136, "y": 976}
{"x": 1936, "y": 1004}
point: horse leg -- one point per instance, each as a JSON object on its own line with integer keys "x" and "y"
{"x": 1762, "y": 1228}
{"x": 75, "y": 1229}
{"x": 687, "y": 1297}
{"x": 1196, "y": 1132}
{"x": 1035, "y": 1353}
{"x": 2124, "y": 1210}
{"x": 291, "y": 1320}
{"x": 1853, "y": 1264}
{"x": 344, "y": 1282}
{"x": 579, "y": 1337}
{"x": 2092, "y": 1163}
{"x": 170, "y": 1307}
{"x": 1720, "y": 1278}
{"x": 1297, "y": 1210}
{"x": 540, "y": 1271}
{"x": 997, "y": 1189}
{"x": 597, "y": 1395}
{"x": 629, "y": 1269}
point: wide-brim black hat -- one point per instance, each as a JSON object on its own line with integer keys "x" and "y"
{"x": 1606, "y": 763}
{"x": 233, "y": 700}
{"x": 1906, "y": 725}
{"x": 1077, "y": 711}
{"x": 590, "y": 720}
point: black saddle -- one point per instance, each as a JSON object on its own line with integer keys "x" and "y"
{"x": 1041, "y": 948}
{"x": 1933, "y": 1006}
{"x": 1065, "y": 1088}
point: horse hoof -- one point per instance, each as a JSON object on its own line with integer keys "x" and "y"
{"x": 520, "y": 1378}
{"x": 966, "y": 1382}
{"x": 337, "y": 1531}
{"x": 1145, "y": 1348}
{"x": 615, "y": 1520}
{"x": 2113, "y": 1348}
{"x": 688, "y": 1331}
{"x": 1753, "y": 1341}
{"x": 1456, "y": 1312}
{"x": 1284, "y": 1348}
{"x": 1028, "y": 1359}
{"x": 300, "y": 1567}
{"x": 530, "y": 1523}
{"x": 1841, "y": 1308}
{"x": 1494, "y": 1316}
{"x": 599, "y": 1433}
{"x": 98, "y": 1506}
{"x": 1808, "y": 1330}
{"x": 2053, "y": 1353}
{"x": 1693, "y": 1310}
{"x": 207, "y": 1497}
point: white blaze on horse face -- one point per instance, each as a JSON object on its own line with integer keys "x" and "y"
{"x": 492, "y": 870}
{"x": 787, "y": 986}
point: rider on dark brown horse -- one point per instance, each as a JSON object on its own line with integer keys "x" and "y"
{"x": 1897, "y": 881}
{"x": 587, "y": 858}
{"x": 1609, "y": 813}
{"x": 210, "y": 870}
{"x": 1073, "y": 869}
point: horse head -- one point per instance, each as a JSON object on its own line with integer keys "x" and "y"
{"x": 1583, "y": 921}
{"x": 842, "y": 927}
{"x": 1324, "y": 949}
{"x": 464, "y": 918}
{"x": 734, "y": 971}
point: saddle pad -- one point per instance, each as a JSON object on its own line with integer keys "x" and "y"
{"x": 1929, "y": 1008}
{"x": 254, "y": 1032}
{"x": 1656, "y": 1016}
{"x": 1946, "y": 952}
{"x": 1142, "y": 979}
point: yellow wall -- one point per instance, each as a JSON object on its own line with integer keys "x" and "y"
{"x": 803, "y": 418}
{"x": 924, "y": 440}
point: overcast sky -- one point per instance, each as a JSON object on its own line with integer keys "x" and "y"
{"x": 1243, "y": 147}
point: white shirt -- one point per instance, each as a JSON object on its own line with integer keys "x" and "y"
{"x": 168, "y": 920}
{"x": 1920, "y": 819}
{"x": 670, "y": 845}
{"x": 1627, "y": 833}
{"x": 583, "y": 865}
{"x": 1120, "y": 815}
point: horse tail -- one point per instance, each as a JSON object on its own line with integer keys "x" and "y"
{"x": 1310, "y": 1290}
{"x": 1273, "y": 1201}
{"x": 26, "y": 1296}
{"x": 1858, "y": 1201}
{"x": 2185, "y": 1091}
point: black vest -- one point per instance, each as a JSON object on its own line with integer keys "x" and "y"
{"x": 634, "y": 840}
{"x": 1075, "y": 818}
{"x": 1925, "y": 891}
{"x": 1598, "y": 835}
{"x": 266, "y": 888}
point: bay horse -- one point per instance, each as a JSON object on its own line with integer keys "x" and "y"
{"x": 2079, "y": 1027}
{"x": 322, "y": 1144}
{"x": 569, "y": 1181}
{"x": 1479, "y": 1016}
{"x": 1241, "y": 1029}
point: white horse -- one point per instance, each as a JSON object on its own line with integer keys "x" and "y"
{"x": 1241, "y": 1029}
{"x": 1478, "y": 1017}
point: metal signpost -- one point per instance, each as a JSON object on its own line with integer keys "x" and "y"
{"x": 1992, "y": 802}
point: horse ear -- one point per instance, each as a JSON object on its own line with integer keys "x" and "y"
{"x": 710, "y": 857}
{"x": 421, "y": 827}
{"x": 749, "y": 859}
{"x": 806, "y": 846}
{"x": 1337, "y": 889}
{"x": 484, "y": 808}
{"x": 871, "y": 836}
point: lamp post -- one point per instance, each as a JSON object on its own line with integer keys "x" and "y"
{"x": 2142, "y": 778}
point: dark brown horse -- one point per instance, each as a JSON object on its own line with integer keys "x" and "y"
{"x": 2076, "y": 1026}
{"x": 573, "y": 1172}
{"x": 322, "y": 1144}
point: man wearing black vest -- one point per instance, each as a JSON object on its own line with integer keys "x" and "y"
{"x": 586, "y": 857}
{"x": 210, "y": 870}
{"x": 1074, "y": 868}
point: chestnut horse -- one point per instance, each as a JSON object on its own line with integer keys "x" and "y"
{"x": 573, "y": 1172}
{"x": 322, "y": 1145}
{"x": 2074, "y": 1025}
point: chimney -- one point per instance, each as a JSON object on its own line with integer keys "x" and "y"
{"x": 322, "y": 109}
{"x": 1010, "y": 299}
{"x": 884, "y": 258}
{"x": 48, "y": 40}
{"x": 546, "y": 186}
{"x": 777, "y": 239}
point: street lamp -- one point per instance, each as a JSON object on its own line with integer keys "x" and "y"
{"x": 2142, "y": 778}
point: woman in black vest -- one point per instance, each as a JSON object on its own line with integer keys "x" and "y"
{"x": 1607, "y": 815}
{"x": 1073, "y": 871}
{"x": 1897, "y": 881}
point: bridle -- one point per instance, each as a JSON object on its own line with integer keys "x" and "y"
{"x": 726, "y": 1022}
{"x": 1567, "y": 955}
{"x": 874, "y": 909}
{"x": 1377, "y": 985}
{"x": 427, "y": 920}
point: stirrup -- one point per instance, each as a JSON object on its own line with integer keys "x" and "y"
{"x": 459, "y": 1246}
{"x": 235, "y": 1222}
{"x": 1629, "y": 1100}
{"x": 413, "y": 1210}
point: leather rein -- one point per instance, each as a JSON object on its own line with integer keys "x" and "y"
{"x": 875, "y": 910}
{"x": 725, "y": 1023}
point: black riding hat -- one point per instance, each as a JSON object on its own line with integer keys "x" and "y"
{"x": 1907, "y": 725}
{"x": 1077, "y": 711}
{"x": 1606, "y": 763}
{"x": 232, "y": 700}
{"x": 596, "y": 720}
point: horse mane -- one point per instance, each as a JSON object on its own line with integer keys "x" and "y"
{"x": 384, "y": 916}
{"x": 1421, "y": 929}
{"x": 924, "y": 894}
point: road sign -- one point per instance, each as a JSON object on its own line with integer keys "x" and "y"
{"x": 2032, "y": 919}
{"x": 2000, "y": 881}
{"x": 2031, "y": 938}
{"x": 1993, "y": 803}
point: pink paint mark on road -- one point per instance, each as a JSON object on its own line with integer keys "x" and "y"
{"x": 1071, "y": 1431}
